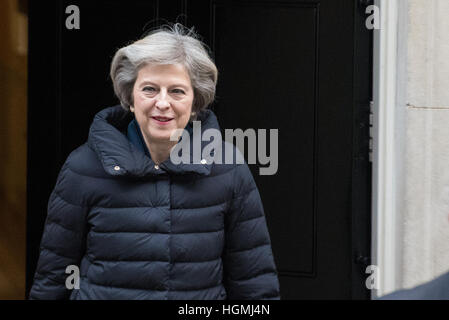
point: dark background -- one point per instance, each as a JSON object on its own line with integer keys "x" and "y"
{"x": 302, "y": 67}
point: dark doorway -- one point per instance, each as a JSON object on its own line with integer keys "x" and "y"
{"x": 302, "y": 67}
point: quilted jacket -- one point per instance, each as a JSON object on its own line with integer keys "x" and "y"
{"x": 140, "y": 231}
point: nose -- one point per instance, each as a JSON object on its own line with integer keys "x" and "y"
{"x": 162, "y": 102}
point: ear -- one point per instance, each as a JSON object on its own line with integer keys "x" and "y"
{"x": 131, "y": 108}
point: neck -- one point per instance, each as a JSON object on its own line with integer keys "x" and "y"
{"x": 159, "y": 151}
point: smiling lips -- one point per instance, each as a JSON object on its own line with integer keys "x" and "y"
{"x": 162, "y": 120}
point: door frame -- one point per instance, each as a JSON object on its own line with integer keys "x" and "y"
{"x": 388, "y": 97}
{"x": 38, "y": 176}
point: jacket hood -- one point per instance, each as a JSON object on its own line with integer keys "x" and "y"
{"x": 120, "y": 157}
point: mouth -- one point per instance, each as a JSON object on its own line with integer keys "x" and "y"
{"x": 162, "y": 120}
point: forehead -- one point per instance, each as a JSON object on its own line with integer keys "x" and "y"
{"x": 163, "y": 73}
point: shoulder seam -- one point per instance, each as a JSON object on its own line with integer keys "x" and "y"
{"x": 86, "y": 175}
{"x": 65, "y": 200}
{"x": 89, "y": 176}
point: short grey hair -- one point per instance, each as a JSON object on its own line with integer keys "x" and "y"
{"x": 166, "y": 45}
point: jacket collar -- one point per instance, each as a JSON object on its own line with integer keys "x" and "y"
{"x": 121, "y": 157}
{"x": 135, "y": 136}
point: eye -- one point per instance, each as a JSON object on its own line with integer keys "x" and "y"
{"x": 178, "y": 91}
{"x": 149, "y": 89}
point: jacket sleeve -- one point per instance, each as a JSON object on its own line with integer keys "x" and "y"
{"x": 249, "y": 267}
{"x": 62, "y": 243}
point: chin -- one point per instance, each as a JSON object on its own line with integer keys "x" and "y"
{"x": 165, "y": 137}
{"x": 160, "y": 138}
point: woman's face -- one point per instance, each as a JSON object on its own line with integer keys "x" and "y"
{"x": 163, "y": 97}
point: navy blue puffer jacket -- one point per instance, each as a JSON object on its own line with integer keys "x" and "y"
{"x": 138, "y": 231}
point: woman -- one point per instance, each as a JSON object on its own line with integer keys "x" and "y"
{"x": 139, "y": 226}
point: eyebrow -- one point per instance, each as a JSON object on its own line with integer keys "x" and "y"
{"x": 152, "y": 83}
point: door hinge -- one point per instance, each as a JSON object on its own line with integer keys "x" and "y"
{"x": 362, "y": 260}
{"x": 371, "y": 137}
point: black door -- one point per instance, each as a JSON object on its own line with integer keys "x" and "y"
{"x": 302, "y": 67}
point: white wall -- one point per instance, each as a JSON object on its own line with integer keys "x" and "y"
{"x": 425, "y": 211}
{"x": 411, "y": 154}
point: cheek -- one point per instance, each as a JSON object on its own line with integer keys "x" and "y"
{"x": 142, "y": 104}
{"x": 137, "y": 99}
{"x": 184, "y": 114}
{"x": 188, "y": 111}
